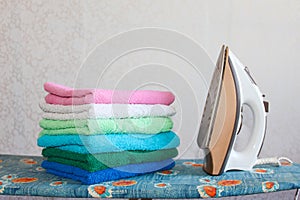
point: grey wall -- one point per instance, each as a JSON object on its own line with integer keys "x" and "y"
{"x": 49, "y": 40}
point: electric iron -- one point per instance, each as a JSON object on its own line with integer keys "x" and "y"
{"x": 231, "y": 88}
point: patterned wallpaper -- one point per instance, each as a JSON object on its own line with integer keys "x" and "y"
{"x": 48, "y": 40}
{"x": 37, "y": 43}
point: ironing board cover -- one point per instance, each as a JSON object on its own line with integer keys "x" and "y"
{"x": 22, "y": 175}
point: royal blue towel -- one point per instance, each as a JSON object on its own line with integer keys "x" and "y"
{"x": 109, "y": 174}
{"x": 113, "y": 142}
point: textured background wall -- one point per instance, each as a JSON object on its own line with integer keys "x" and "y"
{"x": 48, "y": 40}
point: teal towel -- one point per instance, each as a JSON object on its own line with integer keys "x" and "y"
{"x": 113, "y": 142}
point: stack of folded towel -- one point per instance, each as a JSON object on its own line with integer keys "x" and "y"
{"x": 94, "y": 135}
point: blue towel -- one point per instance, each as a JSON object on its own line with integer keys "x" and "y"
{"x": 109, "y": 174}
{"x": 95, "y": 150}
{"x": 111, "y": 142}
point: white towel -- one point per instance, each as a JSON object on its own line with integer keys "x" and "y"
{"x": 60, "y": 112}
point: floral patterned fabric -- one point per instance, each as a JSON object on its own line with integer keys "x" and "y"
{"x": 23, "y": 175}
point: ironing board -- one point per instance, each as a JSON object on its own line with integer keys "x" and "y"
{"x": 23, "y": 175}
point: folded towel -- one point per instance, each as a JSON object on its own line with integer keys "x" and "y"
{"x": 100, "y": 161}
{"x": 91, "y": 111}
{"x": 62, "y": 95}
{"x": 100, "y": 149}
{"x": 113, "y": 142}
{"x": 106, "y": 174}
{"x": 145, "y": 125}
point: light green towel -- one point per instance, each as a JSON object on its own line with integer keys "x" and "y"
{"x": 145, "y": 125}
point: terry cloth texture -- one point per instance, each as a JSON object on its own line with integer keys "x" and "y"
{"x": 106, "y": 174}
{"x": 146, "y": 125}
{"x": 96, "y": 162}
{"x": 92, "y": 111}
{"x": 113, "y": 142}
{"x": 63, "y": 95}
{"x": 96, "y": 150}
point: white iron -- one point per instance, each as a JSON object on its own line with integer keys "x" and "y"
{"x": 231, "y": 88}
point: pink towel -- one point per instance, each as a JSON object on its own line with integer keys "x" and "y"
{"x": 62, "y": 95}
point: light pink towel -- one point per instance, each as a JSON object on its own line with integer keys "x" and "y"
{"x": 62, "y": 95}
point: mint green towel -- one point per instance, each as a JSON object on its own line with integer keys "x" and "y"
{"x": 145, "y": 125}
{"x": 100, "y": 161}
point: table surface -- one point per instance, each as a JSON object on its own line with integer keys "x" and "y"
{"x": 23, "y": 175}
